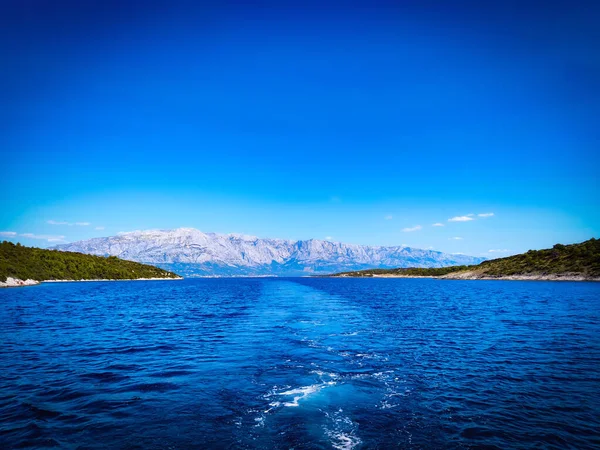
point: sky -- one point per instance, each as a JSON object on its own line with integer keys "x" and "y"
{"x": 364, "y": 123}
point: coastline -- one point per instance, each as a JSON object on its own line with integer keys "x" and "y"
{"x": 472, "y": 275}
{"x": 476, "y": 276}
{"x": 16, "y": 282}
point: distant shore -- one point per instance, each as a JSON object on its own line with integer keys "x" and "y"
{"x": 476, "y": 276}
{"x": 15, "y": 282}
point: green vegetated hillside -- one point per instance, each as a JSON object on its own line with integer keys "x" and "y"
{"x": 576, "y": 260}
{"x": 24, "y": 263}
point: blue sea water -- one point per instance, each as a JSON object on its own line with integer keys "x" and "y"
{"x": 300, "y": 363}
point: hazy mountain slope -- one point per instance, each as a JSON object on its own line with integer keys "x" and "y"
{"x": 188, "y": 251}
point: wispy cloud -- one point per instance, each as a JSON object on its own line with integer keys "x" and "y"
{"x": 457, "y": 253}
{"x": 47, "y": 237}
{"x": 61, "y": 222}
{"x": 485, "y": 214}
{"x": 99, "y": 228}
{"x": 460, "y": 219}
{"x": 498, "y": 250}
{"x": 456, "y": 238}
{"x": 438, "y": 224}
{"x": 388, "y": 217}
{"x": 409, "y": 229}
{"x": 328, "y": 238}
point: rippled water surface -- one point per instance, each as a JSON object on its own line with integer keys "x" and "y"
{"x": 302, "y": 363}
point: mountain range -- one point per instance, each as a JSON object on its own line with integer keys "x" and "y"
{"x": 191, "y": 252}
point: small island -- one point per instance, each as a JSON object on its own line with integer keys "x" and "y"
{"x": 24, "y": 266}
{"x": 576, "y": 262}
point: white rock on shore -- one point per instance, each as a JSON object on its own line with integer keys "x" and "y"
{"x": 472, "y": 275}
{"x": 106, "y": 279}
{"x": 15, "y": 282}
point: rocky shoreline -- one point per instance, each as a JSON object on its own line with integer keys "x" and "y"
{"x": 15, "y": 282}
{"x": 532, "y": 277}
{"x": 477, "y": 276}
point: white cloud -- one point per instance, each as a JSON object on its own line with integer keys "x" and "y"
{"x": 328, "y": 238}
{"x": 470, "y": 215}
{"x": 485, "y": 214}
{"x": 460, "y": 219}
{"x": 60, "y": 222}
{"x": 388, "y": 217}
{"x": 415, "y": 228}
{"x": 457, "y": 253}
{"x": 503, "y": 250}
{"x": 437, "y": 224}
{"x": 456, "y": 238}
{"x": 430, "y": 248}
{"x": 99, "y": 228}
{"x": 47, "y": 237}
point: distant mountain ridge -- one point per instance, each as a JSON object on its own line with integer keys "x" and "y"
{"x": 191, "y": 252}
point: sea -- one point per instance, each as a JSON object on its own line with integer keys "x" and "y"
{"x": 301, "y": 363}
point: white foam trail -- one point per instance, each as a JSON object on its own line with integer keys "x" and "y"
{"x": 303, "y": 392}
{"x": 344, "y": 441}
{"x": 331, "y": 375}
{"x": 260, "y": 421}
{"x": 343, "y": 436}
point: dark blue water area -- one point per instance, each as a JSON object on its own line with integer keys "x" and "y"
{"x": 300, "y": 363}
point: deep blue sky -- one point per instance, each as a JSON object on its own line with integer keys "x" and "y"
{"x": 296, "y": 120}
